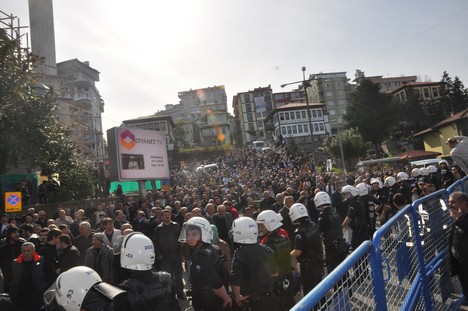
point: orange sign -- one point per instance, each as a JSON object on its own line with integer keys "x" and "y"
{"x": 13, "y": 202}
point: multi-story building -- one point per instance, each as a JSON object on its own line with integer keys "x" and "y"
{"x": 387, "y": 84}
{"x": 428, "y": 92}
{"x": 202, "y": 113}
{"x": 80, "y": 107}
{"x": 158, "y": 123}
{"x": 334, "y": 91}
{"x": 250, "y": 110}
{"x": 284, "y": 98}
{"x": 291, "y": 122}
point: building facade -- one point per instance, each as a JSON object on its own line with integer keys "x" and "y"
{"x": 250, "y": 110}
{"x": 291, "y": 122}
{"x": 203, "y": 116}
{"x": 387, "y": 84}
{"x": 332, "y": 89}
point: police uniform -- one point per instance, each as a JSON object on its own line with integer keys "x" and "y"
{"x": 205, "y": 276}
{"x": 252, "y": 269}
{"x": 459, "y": 251}
{"x": 336, "y": 248}
{"x": 357, "y": 214}
{"x": 307, "y": 239}
{"x": 283, "y": 283}
{"x": 404, "y": 187}
{"x": 371, "y": 204}
{"x": 148, "y": 290}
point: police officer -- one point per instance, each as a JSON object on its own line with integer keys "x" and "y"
{"x": 404, "y": 186}
{"x": 207, "y": 272}
{"x": 269, "y": 228}
{"x": 146, "y": 289}
{"x": 391, "y": 187}
{"x": 356, "y": 218}
{"x": 371, "y": 204}
{"x": 307, "y": 247}
{"x": 458, "y": 244}
{"x": 80, "y": 288}
{"x": 329, "y": 223}
{"x": 253, "y": 269}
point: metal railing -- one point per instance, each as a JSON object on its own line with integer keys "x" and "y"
{"x": 405, "y": 267}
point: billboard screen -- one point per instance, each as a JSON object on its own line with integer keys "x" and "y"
{"x": 137, "y": 154}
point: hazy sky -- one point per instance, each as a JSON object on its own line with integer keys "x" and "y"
{"x": 147, "y": 51}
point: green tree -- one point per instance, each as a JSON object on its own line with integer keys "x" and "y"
{"x": 31, "y": 136}
{"x": 454, "y": 95}
{"x": 180, "y": 136}
{"x": 372, "y": 113}
{"x": 352, "y": 143}
{"x": 412, "y": 117}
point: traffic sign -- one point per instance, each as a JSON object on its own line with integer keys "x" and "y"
{"x": 13, "y": 202}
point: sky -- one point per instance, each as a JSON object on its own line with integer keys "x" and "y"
{"x": 149, "y": 50}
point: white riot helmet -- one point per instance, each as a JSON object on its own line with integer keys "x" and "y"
{"x": 245, "y": 230}
{"x": 297, "y": 211}
{"x": 424, "y": 171}
{"x": 402, "y": 176}
{"x": 416, "y": 172}
{"x": 362, "y": 189}
{"x": 201, "y": 225}
{"x": 432, "y": 169}
{"x": 443, "y": 162}
{"x": 322, "y": 198}
{"x": 376, "y": 181}
{"x": 137, "y": 252}
{"x": 390, "y": 181}
{"x": 270, "y": 219}
{"x": 78, "y": 288}
{"x": 349, "y": 189}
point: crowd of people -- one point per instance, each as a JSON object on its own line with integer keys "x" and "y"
{"x": 250, "y": 234}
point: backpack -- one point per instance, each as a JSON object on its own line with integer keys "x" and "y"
{"x": 217, "y": 256}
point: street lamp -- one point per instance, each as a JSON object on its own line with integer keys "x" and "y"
{"x": 305, "y": 84}
{"x": 339, "y": 119}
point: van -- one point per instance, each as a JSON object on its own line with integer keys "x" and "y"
{"x": 258, "y": 145}
{"x": 207, "y": 168}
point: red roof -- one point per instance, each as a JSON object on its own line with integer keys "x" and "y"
{"x": 418, "y": 154}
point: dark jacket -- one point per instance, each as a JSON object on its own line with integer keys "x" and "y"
{"x": 38, "y": 275}
{"x": 8, "y": 253}
{"x": 69, "y": 258}
{"x": 49, "y": 252}
{"x": 101, "y": 261}
{"x": 83, "y": 244}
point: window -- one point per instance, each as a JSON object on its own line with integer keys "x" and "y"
{"x": 279, "y": 96}
{"x": 340, "y": 93}
{"x": 342, "y": 102}
{"x": 294, "y": 129}
{"x": 328, "y": 94}
{"x": 298, "y": 115}
{"x": 426, "y": 92}
{"x": 248, "y": 107}
{"x": 150, "y": 126}
{"x": 319, "y": 113}
{"x": 306, "y": 128}
{"x": 330, "y": 103}
{"x": 156, "y": 126}
{"x": 144, "y": 126}
{"x": 264, "y": 114}
{"x": 260, "y": 124}
{"x": 293, "y": 116}
{"x": 325, "y": 85}
{"x": 249, "y": 117}
{"x": 281, "y": 116}
{"x": 435, "y": 92}
{"x": 283, "y": 130}
{"x": 247, "y": 98}
{"x": 286, "y": 115}
{"x": 163, "y": 126}
{"x": 332, "y": 112}
{"x": 314, "y": 113}
{"x": 258, "y": 114}
{"x": 261, "y": 134}
{"x": 289, "y": 130}
{"x": 251, "y": 127}
{"x": 303, "y": 114}
{"x": 322, "y": 128}
{"x": 338, "y": 83}
{"x": 316, "y": 127}
{"x": 299, "y": 128}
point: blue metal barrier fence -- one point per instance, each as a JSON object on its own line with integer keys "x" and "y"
{"x": 405, "y": 267}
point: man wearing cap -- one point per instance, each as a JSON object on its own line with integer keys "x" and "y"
{"x": 459, "y": 153}
{"x": 100, "y": 257}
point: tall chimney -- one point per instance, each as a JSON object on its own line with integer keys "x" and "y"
{"x": 41, "y": 23}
